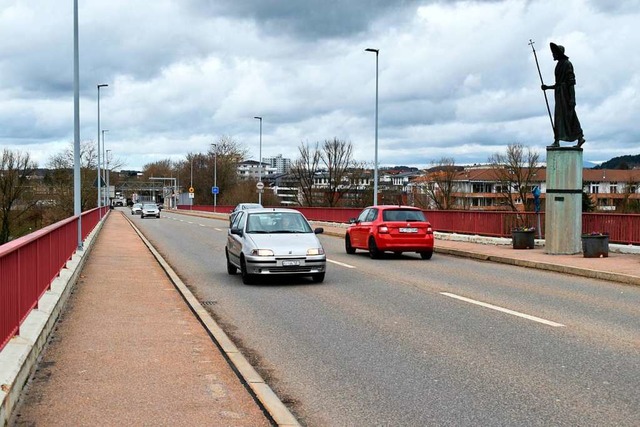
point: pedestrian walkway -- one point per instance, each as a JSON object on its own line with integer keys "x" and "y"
{"x": 128, "y": 350}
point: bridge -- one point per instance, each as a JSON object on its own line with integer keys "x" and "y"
{"x": 133, "y": 343}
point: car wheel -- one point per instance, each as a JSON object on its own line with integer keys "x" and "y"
{"x": 247, "y": 278}
{"x": 426, "y": 255}
{"x": 347, "y": 245}
{"x": 318, "y": 278}
{"x": 231, "y": 269}
{"x": 374, "y": 252}
{"x": 141, "y": 216}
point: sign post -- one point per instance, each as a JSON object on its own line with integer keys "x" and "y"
{"x": 260, "y": 187}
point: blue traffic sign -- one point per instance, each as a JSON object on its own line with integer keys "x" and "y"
{"x": 215, "y": 190}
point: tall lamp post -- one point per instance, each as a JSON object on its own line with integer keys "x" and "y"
{"x": 375, "y": 166}
{"x": 104, "y": 169}
{"x": 77, "y": 186}
{"x": 99, "y": 160}
{"x": 260, "y": 160}
{"x": 106, "y": 158}
{"x": 215, "y": 176}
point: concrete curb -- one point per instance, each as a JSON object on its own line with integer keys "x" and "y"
{"x": 21, "y": 354}
{"x": 262, "y": 393}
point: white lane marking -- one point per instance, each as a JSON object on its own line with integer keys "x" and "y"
{"x": 217, "y": 229}
{"x": 504, "y": 310}
{"x": 340, "y": 263}
{"x": 202, "y": 225}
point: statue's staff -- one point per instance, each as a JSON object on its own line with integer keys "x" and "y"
{"x": 542, "y": 83}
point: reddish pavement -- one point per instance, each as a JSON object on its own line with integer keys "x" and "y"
{"x": 127, "y": 350}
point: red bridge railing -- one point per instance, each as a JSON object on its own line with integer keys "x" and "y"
{"x": 622, "y": 228}
{"x": 29, "y": 265}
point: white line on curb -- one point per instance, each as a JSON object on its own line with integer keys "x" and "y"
{"x": 504, "y": 310}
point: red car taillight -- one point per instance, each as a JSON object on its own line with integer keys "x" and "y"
{"x": 383, "y": 229}
{"x": 429, "y": 230}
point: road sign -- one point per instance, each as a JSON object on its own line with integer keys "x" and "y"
{"x": 215, "y": 190}
{"x": 191, "y": 190}
{"x": 191, "y": 195}
{"x": 259, "y": 185}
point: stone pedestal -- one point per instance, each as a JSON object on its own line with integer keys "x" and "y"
{"x": 563, "y": 205}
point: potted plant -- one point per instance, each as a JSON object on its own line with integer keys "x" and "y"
{"x": 523, "y": 237}
{"x": 595, "y": 245}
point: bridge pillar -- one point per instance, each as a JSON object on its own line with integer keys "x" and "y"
{"x": 563, "y": 205}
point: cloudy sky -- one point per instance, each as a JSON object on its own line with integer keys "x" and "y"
{"x": 456, "y": 78}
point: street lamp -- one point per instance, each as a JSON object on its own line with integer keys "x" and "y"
{"x": 104, "y": 170}
{"x": 260, "y": 160}
{"x": 99, "y": 160}
{"x": 375, "y": 166}
{"x": 77, "y": 186}
{"x": 107, "y": 170}
{"x": 215, "y": 176}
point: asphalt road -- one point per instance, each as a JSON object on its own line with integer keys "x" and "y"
{"x": 405, "y": 341}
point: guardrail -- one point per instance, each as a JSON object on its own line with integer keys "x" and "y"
{"x": 622, "y": 228}
{"x": 29, "y": 265}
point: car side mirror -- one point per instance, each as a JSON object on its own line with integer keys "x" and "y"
{"x": 318, "y": 230}
{"x": 352, "y": 221}
{"x": 236, "y": 231}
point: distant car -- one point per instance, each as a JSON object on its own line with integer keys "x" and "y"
{"x": 136, "y": 208}
{"x": 150, "y": 209}
{"x": 241, "y": 207}
{"x": 391, "y": 228}
{"x": 266, "y": 242}
{"x": 118, "y": 202}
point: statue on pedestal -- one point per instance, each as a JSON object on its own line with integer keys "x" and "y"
{"x": 566, "y": 124}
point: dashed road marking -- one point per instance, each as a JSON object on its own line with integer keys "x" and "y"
{"x": 340, "y": 263}
{"x": 504, "y": 310}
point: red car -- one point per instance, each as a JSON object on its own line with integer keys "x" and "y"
{"x": 390, "y": 228}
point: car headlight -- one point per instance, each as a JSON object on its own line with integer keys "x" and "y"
{"x": 315, "y": 251}
{"x": 262, "y": 252}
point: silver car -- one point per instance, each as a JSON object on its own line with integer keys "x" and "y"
{"x": 136, "y": 208}
{"x": 241, "y": 207}
{"x": 150, "y": 209}
{"x": 264, "y": 242}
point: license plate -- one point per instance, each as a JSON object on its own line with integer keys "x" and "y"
{"x": 290, "y": 263}
{"x": 408, "y": 230}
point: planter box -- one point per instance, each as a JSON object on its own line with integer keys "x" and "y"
{"x": 595, "y": 246}
{"x": 523, "y": 239}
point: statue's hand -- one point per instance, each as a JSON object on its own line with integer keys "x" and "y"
{"x": 544, "y": 87}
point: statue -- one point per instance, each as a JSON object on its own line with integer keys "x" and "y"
{"x": 566, "y": 123}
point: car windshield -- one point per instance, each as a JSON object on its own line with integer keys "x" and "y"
{"x": 137, "y": 205}
{"x": 402, "y": 215}
{"x": 277, "y": 222}
{"x": 150, "y": 206}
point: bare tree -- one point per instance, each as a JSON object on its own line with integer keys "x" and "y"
{"x": 515, "y": 173}
{"x": 221, "y": 158}
{"x": 337, "y": 158}
{"x": 15, "y": 167}
{"x": 60, "y": 180}
{"x": 441, "y": 184}
{"x": 304, "y": 170}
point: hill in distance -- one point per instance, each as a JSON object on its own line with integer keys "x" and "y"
{"x": 622, "y": 163}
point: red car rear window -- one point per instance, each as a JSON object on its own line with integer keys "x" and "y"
{"x": 402, "y": 215}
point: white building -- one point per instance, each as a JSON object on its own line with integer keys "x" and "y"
{"x": 281, "y": 164}
{"x": 250, "y": 169}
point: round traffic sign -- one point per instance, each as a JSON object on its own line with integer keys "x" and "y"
{"x": 191, "y": 190}
{"x": 259, "y": 185}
